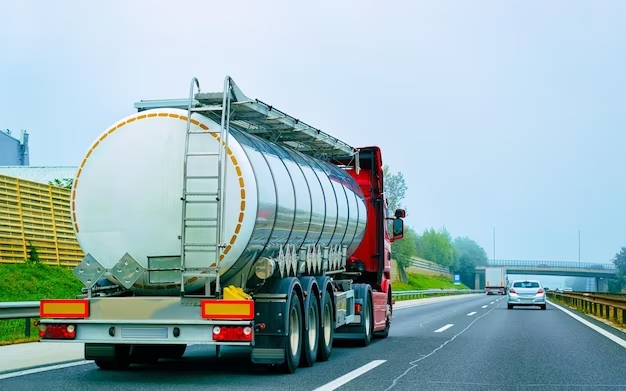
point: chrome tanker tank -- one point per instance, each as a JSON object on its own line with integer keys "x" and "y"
{"x": 127, "y": 196}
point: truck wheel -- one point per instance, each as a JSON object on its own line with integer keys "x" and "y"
{"x": 327, "y": 329}
{"x": 366, "y": 321}
{"x": 173, "y": 352}
{"x": 116, "y": 365}
{"x": 109, "y": 357}
{"x": 310, "y": 338}
{"x": 293, "y": 341}
{"x": 144, "y": 354}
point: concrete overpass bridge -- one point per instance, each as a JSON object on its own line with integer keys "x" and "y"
{"x": 602, "y": 272}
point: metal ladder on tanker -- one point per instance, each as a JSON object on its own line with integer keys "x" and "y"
{"x": 200, "y": 257}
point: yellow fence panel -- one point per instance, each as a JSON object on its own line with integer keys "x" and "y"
{"x": 38, "y": 215}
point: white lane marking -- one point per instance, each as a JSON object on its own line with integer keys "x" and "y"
{"x": 52, "y": 367}
{"x": 492, "y": 302}
{"x": 444, "y": 328}
{"x": 413, "y": 364}
{"x": 333, "y": 385}
{"x": 43, "y": 369}
{"x": 592, "y": 326}
{"x": 471, "y": 313}
{"x": 484, "y": 306}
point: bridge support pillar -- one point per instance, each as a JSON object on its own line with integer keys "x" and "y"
{"x": 476, "y": 281}
{"x": 602, "y": 284}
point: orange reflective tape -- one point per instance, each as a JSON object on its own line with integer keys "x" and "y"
{"x": 227, "y": 309}
{"x": 64, "y": 309}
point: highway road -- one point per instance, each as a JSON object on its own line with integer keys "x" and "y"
{"x": 470, "y": 343}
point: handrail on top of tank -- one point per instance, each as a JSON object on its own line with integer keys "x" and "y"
{"x": 254, "y": 115}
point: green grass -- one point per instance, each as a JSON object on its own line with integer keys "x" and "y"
{"x": 31, "y": 282}
{"x": 422, "y": 282}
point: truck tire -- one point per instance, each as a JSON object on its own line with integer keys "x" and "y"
{"x": 116, "y": 365}
{"x": 310, "y": 337}
{"x": 145, "y": 354}
{"x": 173, "y": 352}
{"x": 327, "y": 329}
{"x": 293, "y": 340}
{"x": 367, "y": 320}
{"x": 119, "y": 360}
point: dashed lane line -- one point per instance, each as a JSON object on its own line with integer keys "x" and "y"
{"x": 340, "y": 381}
{"x": 444, "y": 328}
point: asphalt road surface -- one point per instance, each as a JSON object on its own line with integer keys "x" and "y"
{"x": 471, "y": 343}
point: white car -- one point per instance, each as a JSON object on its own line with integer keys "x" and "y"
{"x": 526, "y": 293}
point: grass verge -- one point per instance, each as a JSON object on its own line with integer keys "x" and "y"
{"x": 31, "y": 282}
{"x": 422, "y": 282}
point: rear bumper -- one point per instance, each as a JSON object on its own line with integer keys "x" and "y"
{"x": 143, "y": 320}
{"x": 146, "y": 332}
{"x": 516, "y": 300}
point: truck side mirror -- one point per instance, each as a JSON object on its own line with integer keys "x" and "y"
{"x": 400, "y": 213}
{"x": 398, "y": 229}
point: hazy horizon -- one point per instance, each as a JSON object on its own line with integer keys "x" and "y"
{"x": 504, "y": 114}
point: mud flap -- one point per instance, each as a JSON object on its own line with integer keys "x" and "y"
{"x": 271, "y": 305}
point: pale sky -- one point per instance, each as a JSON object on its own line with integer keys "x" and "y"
{"x": 498, "y": 113}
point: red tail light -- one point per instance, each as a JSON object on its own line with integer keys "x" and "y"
{"x": 57, "y": 331}
{"x": 232, "y": 333}
{"x": 512, "y": 290}
{"x": 540, "y": 291}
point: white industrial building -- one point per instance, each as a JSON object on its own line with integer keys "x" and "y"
{"x": 13, "y": 151}
{"x": 39, "y": 174}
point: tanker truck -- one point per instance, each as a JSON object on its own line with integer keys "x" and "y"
{"x": 219, "y": 220}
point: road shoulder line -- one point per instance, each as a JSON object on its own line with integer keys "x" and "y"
{"x": 592, "y": 326}
{"x": 38, "y": 369}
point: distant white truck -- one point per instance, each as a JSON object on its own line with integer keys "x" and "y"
{"x": 495, "y": 280}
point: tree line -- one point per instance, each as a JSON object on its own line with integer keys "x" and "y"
{"x": 461, "y": 254}
{"x": 620, "y": 263}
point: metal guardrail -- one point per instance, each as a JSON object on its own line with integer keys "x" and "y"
{"x": 28, "y": 310}
{"x": 433, "y": 292}
{"x": 20, "y": 310}
{"x": 611, "y": 307}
